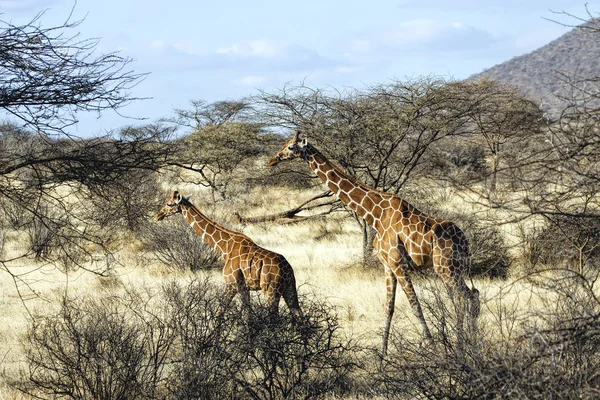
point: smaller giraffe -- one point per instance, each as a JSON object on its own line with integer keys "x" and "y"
{"x": 247, "y": 265}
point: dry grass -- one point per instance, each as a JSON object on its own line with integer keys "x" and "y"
{"x": 325, "y": 255}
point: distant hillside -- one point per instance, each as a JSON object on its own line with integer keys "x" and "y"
{"x": 537, "y": 74}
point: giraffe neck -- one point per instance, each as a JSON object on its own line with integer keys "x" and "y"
{"x": 360, "y": 198}
{"x": 212, "y": 233}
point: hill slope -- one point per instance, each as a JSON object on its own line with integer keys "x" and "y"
{"x": 540, "y": 75}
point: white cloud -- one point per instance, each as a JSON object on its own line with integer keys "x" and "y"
{"x": 361, "y": 45}
{"x": 158, "y": 45}
{"x": 434, "y": 35}
{"x": 25, "y": 5}
{"x": 265, "y": 55}
{"x": 259, "y": 48}
{"x": 251, "y": 59}
{"x": 251, "y": 80}
{"x": 409, "y": 32}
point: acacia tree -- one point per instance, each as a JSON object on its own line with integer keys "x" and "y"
{"x": 221, "y": 146}
{"x": 566, "y": 189}
{"x": 555, "y": 177}
{"x": 47, "y": 176}
{"x": 48, "y": 75}
{"x": 504, "y": 122}
{"x": 386, "y": 135}
{"x": 379, "y": 135}
{"x": 202, "y": 113}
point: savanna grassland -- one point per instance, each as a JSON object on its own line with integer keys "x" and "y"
{"x": 327, "y": 257}
{"x": 101, "y": 301}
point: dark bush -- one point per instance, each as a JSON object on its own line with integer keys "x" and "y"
{"x": 550, "y": 354}
{"x": 181, "y": 344}
{"x": 127, "y": 203}
{"x": 293, "y": 175}
{"x": 566, "y": 242}
{"x": 96, "y": 350}
{"x": 489, "y": 252}
{"x": 177, "y": 245}
{"x": 458, "y": 161}
{"x": 43, "y": 231}
{"x": 3, "y": 232}
{"x": 285, "y": 361}
{"x": 14, "y": 214}
{"x": 205, "y": 358}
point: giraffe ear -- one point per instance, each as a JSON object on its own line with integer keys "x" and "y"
{"x": 188, "y": 197}
{"x": 304, "y": 142}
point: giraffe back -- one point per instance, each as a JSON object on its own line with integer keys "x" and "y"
{"x": 262, "y": 269}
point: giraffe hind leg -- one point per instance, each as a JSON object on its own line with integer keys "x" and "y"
{"x": 474, "y": 303}
{"x": 290, "y": 297}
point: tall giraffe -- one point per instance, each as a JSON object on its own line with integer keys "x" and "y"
{"x": 247, "y": 265}
{"x": 404, "y": 234}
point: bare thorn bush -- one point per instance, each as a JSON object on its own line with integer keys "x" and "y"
{"x": 303, "y": 361}
{"x": 175, "y": 244}
{"x": 549, "y": 353}
{"x": 180, "y": 343}
{"x": 567, "y": 241}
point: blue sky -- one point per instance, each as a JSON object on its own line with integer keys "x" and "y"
{"x": 224, "y": 50}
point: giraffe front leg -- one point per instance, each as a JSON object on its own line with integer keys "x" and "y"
{"x": 409, "y": 290}
{"x": 245, "y": 292}
{"x": 230, "y": 292}
{"x": 246, "y": 305}
{"x": 390, "y": 302}
{"x": 272, "y": 303}
{"x": 468, "y": 299}
{"x": 290, "y": 296}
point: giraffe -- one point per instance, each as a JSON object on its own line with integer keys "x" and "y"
{"x": 247, "y": 265}
{"x": 404, "y": 235}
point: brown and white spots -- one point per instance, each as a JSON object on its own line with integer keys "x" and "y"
{"x": 333, "y": 178}
{"x": 404, "y": 234}
{"x": 377, "y": 212}
{"x": 247, "y": 265}
{"x": 367, "y": 204}
{"x": 357, "y": 195}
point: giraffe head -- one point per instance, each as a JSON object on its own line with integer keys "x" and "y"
{"x": 293, "y": 148}
{"x": 172, "y": 205}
